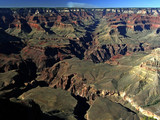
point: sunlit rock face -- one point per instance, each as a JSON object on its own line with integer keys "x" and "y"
{"x": 153, "y": 62}
{"x": 141, "y": 85}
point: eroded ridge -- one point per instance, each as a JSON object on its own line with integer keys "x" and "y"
{"x": 138, "y": 108}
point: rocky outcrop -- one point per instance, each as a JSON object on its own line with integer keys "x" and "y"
{"x": 104, "y": 53}
{"x": 71, "y": 75}
{"x": 105, "y": 109}
{"x": 138, "y": 108}
{"x": 52, "y": 102}
{"x": 72, "y": 82}
{"x": 144, "y": 85}
{"x": 48, "y": 56}
{"x": 10, "y": 62}
{"x": 153, "y": 63}
{"x": 8, "y": 81}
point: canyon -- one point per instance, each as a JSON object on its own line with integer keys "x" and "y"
{"x": 80, "y": 63}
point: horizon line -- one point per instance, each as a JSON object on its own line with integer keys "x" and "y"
{"x": 76, "y": 7}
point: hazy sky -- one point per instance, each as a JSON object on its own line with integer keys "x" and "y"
{"x": 80, "y": 3}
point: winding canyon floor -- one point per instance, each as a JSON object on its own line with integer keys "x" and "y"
{"x": 80, "y": 64}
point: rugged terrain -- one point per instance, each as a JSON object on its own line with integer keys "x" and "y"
{"x": 80, "y": 64}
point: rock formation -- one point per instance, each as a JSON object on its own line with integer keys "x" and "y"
{"x": 53, "y": 61}
{"x": 52, "y": 102}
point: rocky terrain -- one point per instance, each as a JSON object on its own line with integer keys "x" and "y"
{"x": 80, "y": 64}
